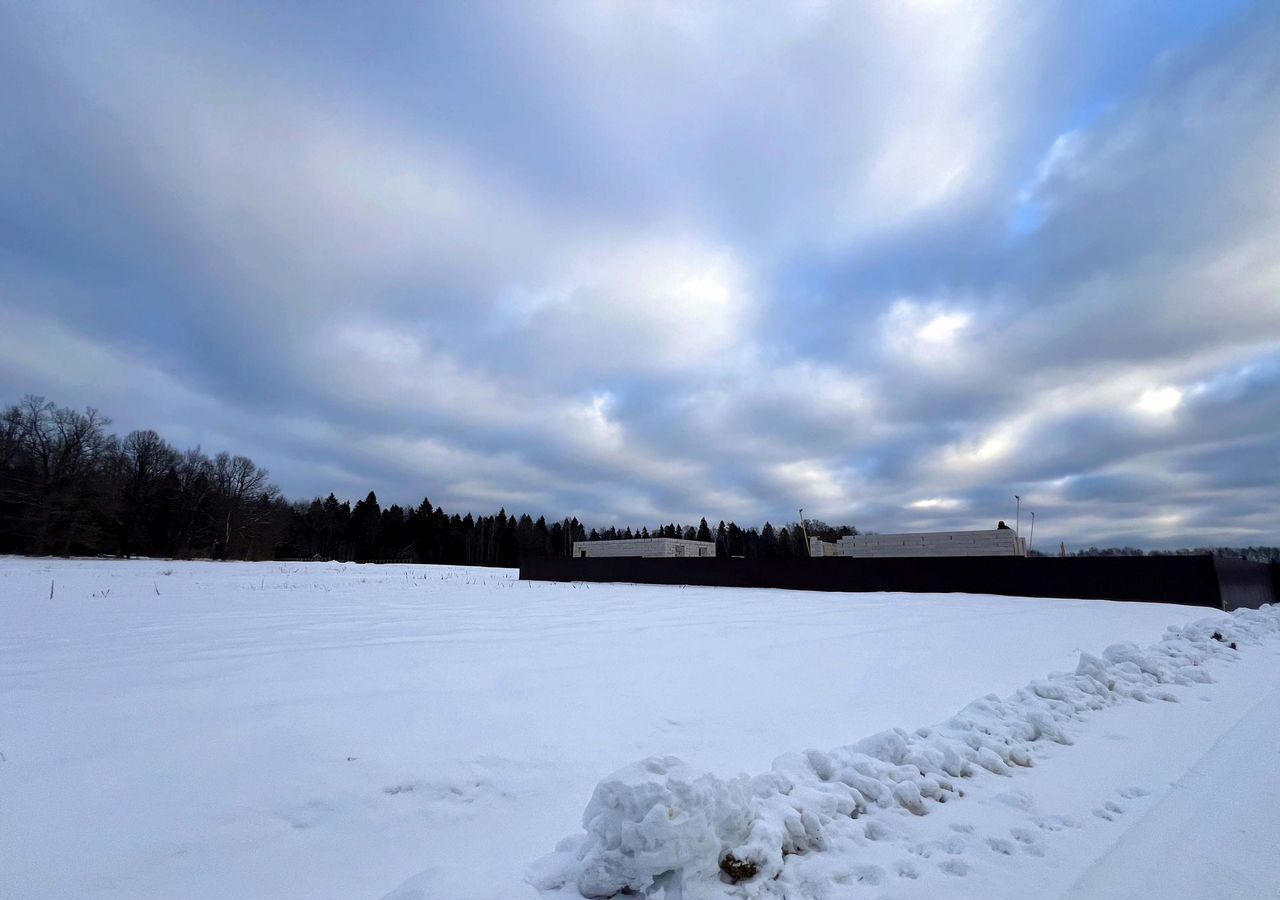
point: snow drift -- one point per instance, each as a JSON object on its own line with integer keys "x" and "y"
{"x": 658, "y": 824}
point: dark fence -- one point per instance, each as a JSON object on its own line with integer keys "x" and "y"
{"x": 1188, "y": 580}
{"x": 1244, "y": 584}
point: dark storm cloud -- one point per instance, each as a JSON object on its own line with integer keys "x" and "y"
{"x": 644, "y": 263}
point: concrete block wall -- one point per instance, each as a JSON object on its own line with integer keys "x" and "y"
{"x": 644, "y": 547}
{"x": 819, "y": 547}
{"x": 996, "y": 542}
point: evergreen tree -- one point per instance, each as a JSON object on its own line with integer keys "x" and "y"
{"x": 704, "y": 531}
{"x": 768, "y": 542}
{"x": 363, "y": 527}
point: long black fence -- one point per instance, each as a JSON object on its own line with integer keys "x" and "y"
{"x": 1188, "y": 580}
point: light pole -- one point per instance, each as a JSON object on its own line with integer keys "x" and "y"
{"x": 1017, "y": 520}
{"x": 1032, "y": 539}
{"x": 804, "y": 532}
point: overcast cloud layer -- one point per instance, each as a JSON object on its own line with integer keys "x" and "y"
{"x": 893, "y": 263}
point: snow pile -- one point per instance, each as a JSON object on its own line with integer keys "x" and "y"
{"x": 657, "y": 822}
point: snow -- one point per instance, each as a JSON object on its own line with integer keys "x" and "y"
{"x": 659, "y": 824}
{"x": 318, "y": 730}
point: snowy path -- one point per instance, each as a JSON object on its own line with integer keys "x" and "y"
{"x": 1215, "y": 832}
{"x": 1174, "y": 801}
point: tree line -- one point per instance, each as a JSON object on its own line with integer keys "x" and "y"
{"x": 1252, "y": 554}
{"x": 70, "y": 487}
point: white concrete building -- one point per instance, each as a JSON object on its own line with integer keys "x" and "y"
{"x": 819, "y": 547}
{"x": 996, "y": 542}
{"x": 660, "y": 547}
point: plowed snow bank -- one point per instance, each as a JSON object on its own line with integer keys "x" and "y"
{"x": 658, "y": 823}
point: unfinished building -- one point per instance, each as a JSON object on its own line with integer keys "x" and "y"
{"x": 996, "y": 542}
{"x": 646, "y": 547}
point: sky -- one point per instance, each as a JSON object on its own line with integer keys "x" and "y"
{"x": 892, "y": 263}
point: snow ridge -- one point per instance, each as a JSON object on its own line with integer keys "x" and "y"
{"x": 657, "y": 824}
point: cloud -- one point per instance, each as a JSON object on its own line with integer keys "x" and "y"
{"x": 644, "y": 262}
{"x": 940, "y": 503}
{"x": 929, "y": 335}
{"x": 648, "y": 305}
{"x": 1159, "y": 402}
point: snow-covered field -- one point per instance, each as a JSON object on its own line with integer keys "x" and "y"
{"x": 206, "y": 730}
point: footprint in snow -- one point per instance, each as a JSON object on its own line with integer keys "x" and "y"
{"x": 962, "y": 827}
{"x": 957, "y": 867}
{"x": 1016, "y": 799}
{"x": 307, "y": 814}
{"x": 875, "y": 831}
{"x": 869, "y": 874}
{"x": 1001, "y": 846}
{"x": 1029, "y": 840}
{"x": 907, "y": 869}
{"x": 1132, "y": 793}
{"x": 1109, "y": 811}
{"x": 464, "y": 790}
{"x": 1057, "y": 823}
